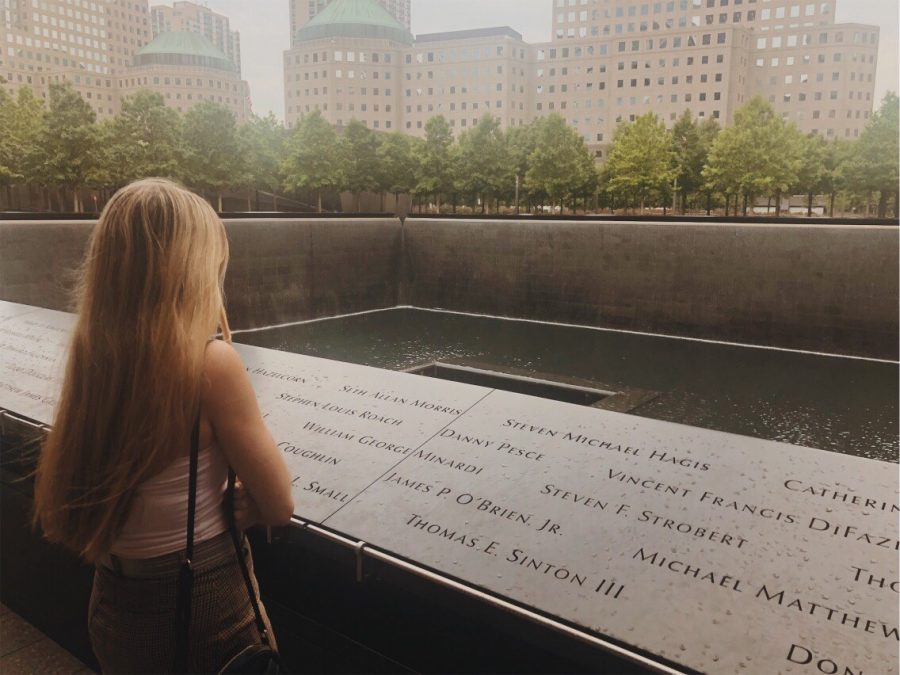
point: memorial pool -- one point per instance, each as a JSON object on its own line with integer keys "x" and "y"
{"x": 834, "y": 403}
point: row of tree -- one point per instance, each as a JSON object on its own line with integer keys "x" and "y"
{"x": 546, "y": 163}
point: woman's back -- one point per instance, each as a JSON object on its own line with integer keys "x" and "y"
{"x": 157, "y": 518}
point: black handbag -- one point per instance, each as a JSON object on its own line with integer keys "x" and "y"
{"x": 259, "y": 658}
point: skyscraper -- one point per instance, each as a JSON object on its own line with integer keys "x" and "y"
{"x": 609, "y": 61}
{"x": 193, "y": 18}
{"x": 303, "y": 11}
{"x": 103, "y": 49}
{"x": 89, "y": 43}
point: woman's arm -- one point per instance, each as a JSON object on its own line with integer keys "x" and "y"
{"x": 230, "y": 404}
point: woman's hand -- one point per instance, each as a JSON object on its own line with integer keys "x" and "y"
{"x": 246, "y": 512}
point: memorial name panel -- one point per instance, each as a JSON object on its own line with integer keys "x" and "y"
{"x": 9, "y": 310}
{"x": 720, "y": 552}
{"x": 32, "y": 346}
{"x": 342, "y": 426}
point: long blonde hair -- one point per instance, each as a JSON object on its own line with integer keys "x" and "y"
{"x": 149, "y": 297}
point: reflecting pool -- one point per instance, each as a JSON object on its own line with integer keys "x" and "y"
{"x": 834, "y": 403}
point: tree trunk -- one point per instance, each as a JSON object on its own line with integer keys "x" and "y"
{"x": 219, "y": 195}
{"x": 708, "y": 203}
{"x": 319, "y": 198}
{"x": 831, "y": 205}
{"x": 483, "y": 205}
{"x": 809, "y": 205}
{"x": 778, "y": 204}
{"x": 727, "y": 203}
{"x": 882, "y": 204}
{"x": 454, "y": 203}
{"x": 438, "y": 202}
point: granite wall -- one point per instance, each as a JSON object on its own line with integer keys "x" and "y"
{"x": 280, "y": 271}
{"x": 830, "y": 288}
{"x": 816, "y": 287}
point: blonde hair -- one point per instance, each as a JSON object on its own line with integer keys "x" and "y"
{"x": 149, "y": 298}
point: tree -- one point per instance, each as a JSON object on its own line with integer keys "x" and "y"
{"x": 22, "y": 120}
{"x": 481, "y": 158}
{"x": 68, "y": 141}
{"x": 560, "y": 165}
{"x": 435, "y": 166}
{"x": 263, "y": 143}
{"x": 758, "y": 155}
{"x": 397, "y": 157}
{"x": 359, "y": 146}
{"x": 641, "y": 159}
{"x": 874, "y": 163}
{"x": 813, "y": 171}
{"x": 692, "y": 141}
{"x": 521, "y": 142}
{"x": 313, "y": 160}
{"x": 212, "y": 157}
{"x": 143, "y": 140}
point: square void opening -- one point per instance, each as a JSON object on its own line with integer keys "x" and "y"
{"x": 519, "y": 384}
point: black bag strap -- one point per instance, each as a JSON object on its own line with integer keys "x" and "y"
{"x": 185, "y": 591}
{"x": 237, "y": 538}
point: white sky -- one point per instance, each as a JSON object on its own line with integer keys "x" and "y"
{"x": 265, "y": 28}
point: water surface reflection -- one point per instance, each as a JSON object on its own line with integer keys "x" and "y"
{"x": 839, "y": 404}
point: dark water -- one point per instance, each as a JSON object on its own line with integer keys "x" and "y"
{"x": 839, "y": 404}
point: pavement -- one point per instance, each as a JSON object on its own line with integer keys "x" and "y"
{"x": 24, "y": 650}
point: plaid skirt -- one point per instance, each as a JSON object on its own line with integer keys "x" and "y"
{"x": 132, "y": 620}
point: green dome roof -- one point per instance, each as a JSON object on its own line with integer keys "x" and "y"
{"x": 355, "y": 19}
{"x": 183, "y": 49}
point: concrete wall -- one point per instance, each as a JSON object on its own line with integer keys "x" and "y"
{"x": 289, "y": 270}
{"x": 822, "y": 288}
{"x": 280, "y": 271}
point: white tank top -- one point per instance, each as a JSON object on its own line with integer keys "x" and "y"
{"x": 157, "y": 522}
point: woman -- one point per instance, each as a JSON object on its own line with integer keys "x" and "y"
{"x": 112, "y": 481}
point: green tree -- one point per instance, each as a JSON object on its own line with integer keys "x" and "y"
{"x": 143, "y": 140}
{"x": 480, "y": 158}
{"x": 8, "y": 149}
{"x": 313, "y": 159}
{"x": 22, "y": 119}
{"x": 68, "y": 141}
{"x": 263, "y": 143}
{"x": 397, "y": 159}
{"x": 212, "y": 160}
{"x": 640, "y": 163}
{"x": 560, "y": 165}
{"x": 813, "y": 170}
{"x": 521, "y": 142}
{"x": 435, "y": 165}
{"x": 758, "y": 155}
{"x": 692, "y": 140}
{"x": 874, "y": 163}
{"x": 359, "y": 147}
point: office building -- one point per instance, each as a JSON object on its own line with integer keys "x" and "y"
{"x": 304, "y": 11}
{"x": 190, "y": 17}
{"x": 106, "y": 49}
{"x": 89, "y": 43}
{"x": 186, "y": 68}
{"x": 608, "y": 61}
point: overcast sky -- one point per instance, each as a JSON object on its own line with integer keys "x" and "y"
{"x": 265, "y": 28}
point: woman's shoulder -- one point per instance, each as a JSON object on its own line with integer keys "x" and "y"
{"x": 222, "y": 363}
